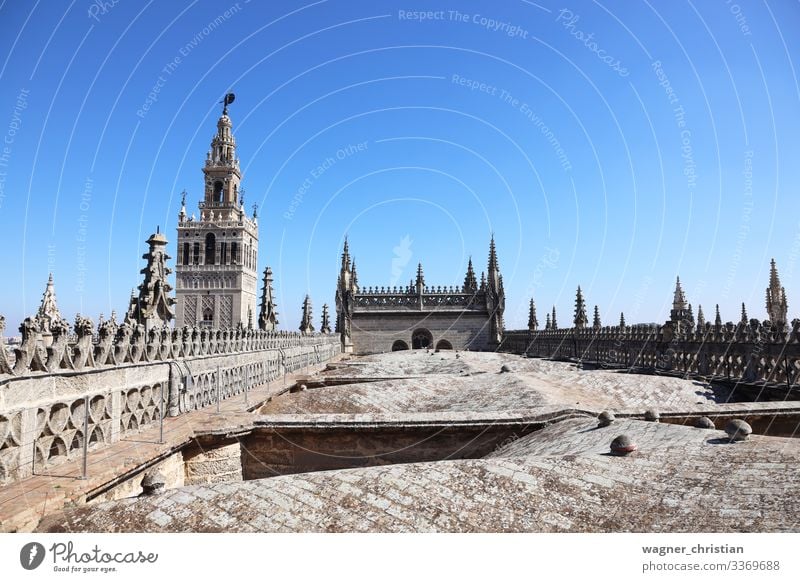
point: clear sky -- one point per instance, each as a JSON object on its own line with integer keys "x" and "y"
{"x": 613, "y": 145}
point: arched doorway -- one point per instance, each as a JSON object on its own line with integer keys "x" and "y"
{"x": 399, "y": 345}
{"x": 444, "y": 345}
{"x": 421, "y": 338}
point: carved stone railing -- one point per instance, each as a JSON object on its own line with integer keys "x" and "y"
{"x": 116, "y": 344}
{"x": 431, "y": 298}
{"x": 756, "y": 353}
{"x": 57, "y": 399}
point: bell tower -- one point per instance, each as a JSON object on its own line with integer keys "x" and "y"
{"x": 216, "y": 271}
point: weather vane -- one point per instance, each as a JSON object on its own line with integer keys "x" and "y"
{"x": 229, "y": 98}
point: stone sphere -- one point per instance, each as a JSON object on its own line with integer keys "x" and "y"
{"x": 704, "y": 422}
{"x": 303, "y": 387}
{"x": 153, "y": 483}
{"x": 622, "y": 445}
{"x": 605, "y": 418}
{"x": 652, "y": 415}
{"x": 505, "y": 368}
{"x": 738, "y": 430}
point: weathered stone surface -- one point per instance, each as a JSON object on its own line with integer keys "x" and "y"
{"x": 557, "y": 479}
{"x": 738, "y": 430}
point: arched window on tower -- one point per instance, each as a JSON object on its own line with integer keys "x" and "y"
{"x": 211, "y": 248}
{"x": 186, "y": 258}
{"x": 223, "y": 253}
{"x": 234, "y": 252}
{"x": 196, "y": 254}
{"x": 218, "y": 191}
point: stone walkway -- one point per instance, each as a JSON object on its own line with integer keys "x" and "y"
{"x": 25, "y": 502}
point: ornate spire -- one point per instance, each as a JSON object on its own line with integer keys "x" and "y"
{"x": 679, "y": 314}
{"x": 326, "y": 321}
{"x": 701, "y": 318}
{"x": 679, "y": 300}
{"x": 268, "y": 315}
{"x": 621, "y": 319}
{"x": 48, "y": 313}
{"x": 153, "y": 307}
{"x": 553, "y": 322}
{"x": 495, "y": 281}
{"x": 717, "y": 318}
{"x": 420, "y": 279}
{"x": 470, "y": 282}
{"x": 744, "y": 320}
{"x": 533, "y": 323}
{"x": 483, "y": 281}
{"x": 580, "y": 320}
{"x": 306, "y": 323}
{"x": 596, "y": 325}
{"x": 776, "y": 298}
{"x": 346, "y": 255}
{"x": 547, "y": 324}
{"x": 355, "y": 276}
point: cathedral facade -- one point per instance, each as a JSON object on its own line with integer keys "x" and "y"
{"x": 216, "y": 270}
{"x": 467, "y": 317}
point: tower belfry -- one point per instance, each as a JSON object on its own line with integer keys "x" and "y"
{"x": 216, "y": 271}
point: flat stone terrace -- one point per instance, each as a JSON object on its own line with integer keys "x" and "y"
{"x": 559, "y": 479}
{"x": 416, "y": 381}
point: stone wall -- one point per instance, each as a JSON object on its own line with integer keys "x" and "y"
{"x": 267, "y": 452}
{"x": 43, "y": 415}
{"x": 376, "y": 332}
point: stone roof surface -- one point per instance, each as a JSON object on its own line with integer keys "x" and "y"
{"x": 416, "y": 381}
{"x": 559, "y": 479}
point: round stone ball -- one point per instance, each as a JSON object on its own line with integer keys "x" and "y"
{"x": 652, "y": 415}
{"x": 505, "y": 368}
{"x": 704, "y": 422}
{"x": 153, "y": 483}
{"x": 605, "y": 418}
{"x": 738, "y": 430}
{"x": 303, "y": 388}
{"x": 622, "y": 445}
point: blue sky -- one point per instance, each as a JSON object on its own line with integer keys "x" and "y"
{"x": 613, "y": 145}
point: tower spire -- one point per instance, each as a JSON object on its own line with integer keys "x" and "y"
{"x": 268, "y": 314}
{"x": 580, "y": 320}
{"x": 326, "y": 321}
{"x": 553, "y": 322}
{"x": 776, "y": 298}
{"x": 596, "y": 325}
{"x": 420, "y": 279}
{"x": 306, "y": 323}
{"x": 470, "y": 282}
{"x": 533, "y": 323}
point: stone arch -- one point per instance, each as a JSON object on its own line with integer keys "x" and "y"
{"x": 57, "y": 449}
{"x": 443, "y": 344}
{"x": 421, "y": 338}
{"x": 77, "y": 442}
{"x": 399, "y": 345}
{"x": 218, "y": 186}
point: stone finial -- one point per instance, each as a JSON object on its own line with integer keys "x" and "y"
{"x": 605, "y": 418}
{"x": 651, "y": 415}
{"x": 738, "y": 430}
{"x": 704, "y": 422}
{"x": 621, "y": 319}
{"x": 153, "y": 483}
{"x": 533, "y": 323}
{"x": 306, "y": 325}
{"x": 580, "y": 320}
{"x": 622, "y": 445}
{"x": 553, "y": 322}
{"x": 596, "y": 324}
{"x": 505, "y": 368}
